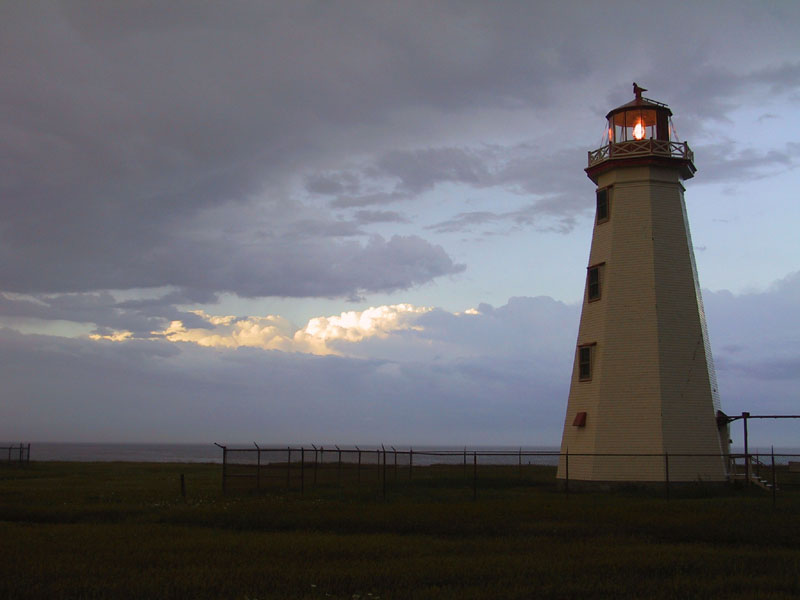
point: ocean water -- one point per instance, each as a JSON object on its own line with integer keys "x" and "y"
{"x": 84, "y": 452}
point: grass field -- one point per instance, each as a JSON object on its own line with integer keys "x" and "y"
{"x": 122, "y": 530}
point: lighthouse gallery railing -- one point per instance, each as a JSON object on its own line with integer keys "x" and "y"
{"x": 635, "y": 148}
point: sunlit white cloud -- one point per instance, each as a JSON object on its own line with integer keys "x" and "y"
{"x": 117, "y": 336}
{"x": 321, "y": 335}
{"x": 270, "y": 332}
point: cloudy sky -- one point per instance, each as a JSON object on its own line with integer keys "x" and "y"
{"x": 364, "y": 222}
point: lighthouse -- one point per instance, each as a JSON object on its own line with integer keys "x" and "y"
{"x": 643, "y": 404}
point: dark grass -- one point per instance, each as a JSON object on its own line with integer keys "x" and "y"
{"x": 122, "y": 530}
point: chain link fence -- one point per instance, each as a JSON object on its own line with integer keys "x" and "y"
{"x": 19, "y": 454}
{"x": 382, "y": 469}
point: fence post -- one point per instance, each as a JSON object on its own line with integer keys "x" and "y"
{"x": 520, "y": 461}
{"x": 566, "y": 472}
{"x": 302, "y": 469}
{"x": 465, "y": 462}
{"x": 774, "y": 481}
{"x": 315, "y": 464}
{"x": 224, "y": 467}
{"x": 666, "y": 472}
{"x": 746, "y": 450}
{"x": 358, "y": 470}
{"x": 258, "y": 466}
{"x": 288, "y": 467}
{"x": 183, "y": 487}
{"x": 474, "y": 475}
{"x": 339, "y": 467}
{"x": 395, "y": 462}
{"x": 384, "y": 470}
{"x": 410, "y": 461}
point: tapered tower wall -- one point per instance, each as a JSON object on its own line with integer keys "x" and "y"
{"x": 652, "y": 389}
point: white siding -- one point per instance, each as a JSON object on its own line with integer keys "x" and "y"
{"x": 653, "y": 389}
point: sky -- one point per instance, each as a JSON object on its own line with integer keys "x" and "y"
{"x": 367, "y": 222}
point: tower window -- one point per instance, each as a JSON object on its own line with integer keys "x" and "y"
{"x": 585, "y": 360}
{"x": 603, "y": 205}
{"x": 593, "y": 282}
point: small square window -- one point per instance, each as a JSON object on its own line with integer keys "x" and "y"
{"x": 585, "y": 356}
{"x": 603, "y": 205}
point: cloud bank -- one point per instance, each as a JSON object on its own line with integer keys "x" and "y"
{"x": 391, "y": 374}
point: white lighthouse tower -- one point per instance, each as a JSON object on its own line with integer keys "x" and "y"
{"x": 643, "y": 394}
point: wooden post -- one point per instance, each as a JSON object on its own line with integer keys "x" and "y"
{"x": 183, "y": 487}
{"x": 410, "y": 462}
{"x": 666, "y": 472}
{"x": 358, "y": 470}
{"x": 302, "y": 469}
{"x": 566, "y": 472}
{"x": 395, "y": 462}
{"x": 520, "y": 462}
{"x": 746, "y": 450}
{"x": 465, "y": 462}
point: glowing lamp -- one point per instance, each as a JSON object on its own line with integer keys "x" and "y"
{"x": 638, "y": 131}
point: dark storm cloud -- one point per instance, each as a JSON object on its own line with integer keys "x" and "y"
{"x": 721, "y": 163}
{"x": 525, "y": 170}
{"x": 753, "y": 337}
{"x": 420, "y": 170}
{"x": 104, "y": 311}
{"x": 379, "y": 216}
{"x": 124, "y": 124}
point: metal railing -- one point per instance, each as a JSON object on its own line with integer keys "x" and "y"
{"x": 634, "y": 148}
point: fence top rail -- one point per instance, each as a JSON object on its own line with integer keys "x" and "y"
{"x": 398, "y": 451}
{"x": 499, "y": 453}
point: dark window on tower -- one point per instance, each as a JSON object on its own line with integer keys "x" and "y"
{"x": 603, "y": 205}
{"x": 593, "y": 282}
{"x": 585, "y": 356}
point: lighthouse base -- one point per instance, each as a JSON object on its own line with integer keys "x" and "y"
{"x": 679, "y": 488}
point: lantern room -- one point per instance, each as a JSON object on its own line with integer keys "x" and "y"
{"x": 639, "y": 119}
{"x": 640, "y": 132}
